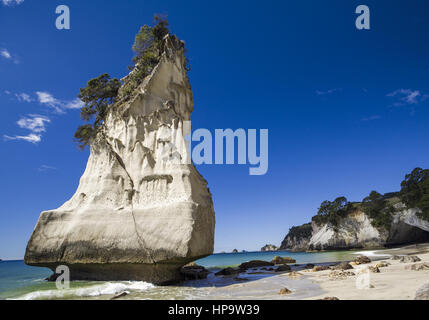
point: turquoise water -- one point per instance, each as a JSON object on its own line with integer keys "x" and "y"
{"x": 20, "y": 281}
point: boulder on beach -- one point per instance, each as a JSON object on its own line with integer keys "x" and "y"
{"x": 340, "y": 274}
{"x": 343, "y": 266}
{"x": 283, "y": 268}
{"x": 362, "y": 260}
{"x": 193, "y": 271}
{"x": 255, "y": 264}
{"x": 141, "y": 211}
{"x": 408, "y": 259}
{"x": 228, "y": 272}
{"x": 282, "y": 260}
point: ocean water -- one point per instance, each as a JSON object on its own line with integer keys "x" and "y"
{"x": 19, "y": 281}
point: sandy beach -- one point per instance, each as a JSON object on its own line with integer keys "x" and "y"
{"x": 395, "y": 280}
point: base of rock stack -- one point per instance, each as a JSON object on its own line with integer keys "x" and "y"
{"x": 160, "y": 274}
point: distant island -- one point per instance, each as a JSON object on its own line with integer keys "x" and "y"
{"x": 391, "y": 219}
{"x": 269, "y": 247}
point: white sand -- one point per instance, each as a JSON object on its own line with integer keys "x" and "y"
{"x": 394, "y": 282}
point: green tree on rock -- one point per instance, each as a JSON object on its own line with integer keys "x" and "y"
{"x": 415, "y": 191}
{"x": 98, "y": 94}
{"x": 333, "y": 211}
{"x": 378, "y": 210}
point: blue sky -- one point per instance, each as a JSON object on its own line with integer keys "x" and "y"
{"x": 346, "y": 110}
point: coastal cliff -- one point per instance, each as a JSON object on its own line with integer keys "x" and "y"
{"x": 140, "y": 212}
{"x": 394, "y": 218}
{"x": 356, "y": 230}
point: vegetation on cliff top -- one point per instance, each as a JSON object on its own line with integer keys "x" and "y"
{"x": 414, "y": 194}
{"x": 300, "y": 232}
{"x": 378, "y": 210}
{"x": 333, "y": 211}
{"x": 102, "y": 92}
{"x": 415, "y": 191}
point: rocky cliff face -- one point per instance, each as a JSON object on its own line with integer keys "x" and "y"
{"x": 357, "y": 231}
{"x": 141, "y": 210}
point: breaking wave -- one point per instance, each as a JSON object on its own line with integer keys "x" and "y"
{"x": 108, "y": 288}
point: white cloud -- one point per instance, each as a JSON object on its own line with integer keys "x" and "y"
{"x": 58, "y": 105}
{"x": 34, "y": 123}
{"x": 44, "y": 167}
{"x": 32, "y": 138}
{"x": 75, "y": 104}
{"x": 24, "y": 97}
{"x": 5, "y": 54}
{"x": 47, "y": 98}
{"x": 11, "y": 2}
{"x": 406, "y": 96}
{"x": 330, "y": 91}
{"x": 371, "y": 118}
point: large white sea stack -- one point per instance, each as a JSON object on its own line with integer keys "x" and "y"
{"x": 138, "y": 213}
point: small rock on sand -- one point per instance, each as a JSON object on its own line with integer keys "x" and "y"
{"x": 374, "y": 269}
{"x": 321, "y": 268}
{"x": 340, "y": 274}
{"x": 423, "y": 293}
{"x": 382, "y": 264}
{"x": 418, "y": 266}
{"x": 285, "y": 291}
{"x": 330, "y": 298}
{"x": 294, "y": 275}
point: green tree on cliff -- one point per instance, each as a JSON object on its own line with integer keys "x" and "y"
{"x": 332, "y": 211}
{"x": 377, "y": 208}
{"x": 415, "y": 191}
{"x": 103, "y": 91}
{"x": 98, "y": 94}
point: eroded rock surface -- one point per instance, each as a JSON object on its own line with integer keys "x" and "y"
{"x": 141, "y": 210}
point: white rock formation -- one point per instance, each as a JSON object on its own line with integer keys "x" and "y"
{"x": 357, "y": 231}
{"x": 354, "y": 231}
{"x": 138, "y": 213}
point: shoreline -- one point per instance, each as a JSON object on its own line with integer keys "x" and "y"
{"x": 395, "y": 281}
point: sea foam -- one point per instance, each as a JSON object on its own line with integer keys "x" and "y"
{"x": 108, "y": 288}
